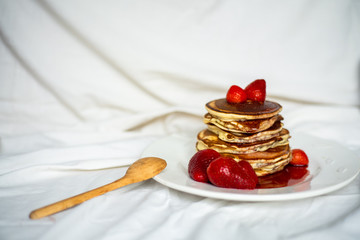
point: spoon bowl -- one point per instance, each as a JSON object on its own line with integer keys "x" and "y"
{"x": 145, "y": 168}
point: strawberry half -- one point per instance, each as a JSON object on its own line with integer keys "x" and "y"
{"x": 236, "y": 94}
{"x": 247, "y": 168}
{"x": 256, "y": 90}
{"x": 199, "y": 163}
{"x": 299, "y": 158}
{"x": 227, "y": 173}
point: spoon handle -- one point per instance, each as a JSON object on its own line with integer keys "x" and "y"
{"x": 77, "y": 199}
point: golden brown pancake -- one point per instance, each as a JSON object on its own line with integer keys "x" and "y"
{"x": 248, "y": 110}
{"x": 259, "y": 163}
{"x": 264, "y": 156}
{"x": 246, "y": 126}
{"x": 265, "y": 166}
{"x": 207, "y": 139}
{"x": 232, "y": 137}
{"x": 273, "y": 168}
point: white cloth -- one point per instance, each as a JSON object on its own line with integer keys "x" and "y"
{"x": 86, "y": 86}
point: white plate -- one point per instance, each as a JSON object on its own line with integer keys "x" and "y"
{"x": 331, "y": 167}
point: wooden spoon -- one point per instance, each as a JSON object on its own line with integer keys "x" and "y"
{"x": 142, "y": 169}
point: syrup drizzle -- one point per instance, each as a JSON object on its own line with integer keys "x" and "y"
{"x": 289, "y": 176}
{"x": 248, "y": 107}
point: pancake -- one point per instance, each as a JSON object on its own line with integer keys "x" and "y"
{"x": 259, "y": 163}
{"x": 207, "y": 139}
{"x": 273, "y": 169}
{"x": 269, "y": 165}
{"x": 264, "y": 167}
{"x": 266, "y": 163}
{"x": 232, "y": 137}
{"x": 245, "y": 126}
{"x": 269, "y": 155}
{"x": 249, "y": 110}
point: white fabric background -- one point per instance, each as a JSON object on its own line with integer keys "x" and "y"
{"x": 86, "y": 86}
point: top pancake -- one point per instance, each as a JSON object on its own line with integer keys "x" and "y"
{"x": 248, "y": 110}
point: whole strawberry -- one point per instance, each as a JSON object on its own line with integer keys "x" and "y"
{"x": 199, "y": 163}
{"x": 236, "y": 94}
{"x": 256, "y": 90}
{"x": 299, "y": 158}
{"x": 227, "y": 173}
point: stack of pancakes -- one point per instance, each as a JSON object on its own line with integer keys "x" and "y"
{"x": 250, "y": 131}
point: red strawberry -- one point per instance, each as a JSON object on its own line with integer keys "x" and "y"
{"x": 299, "y": 158}
{"x": 249, "y": 170}
{"x": 256, "y": 91}
{"x": 226, "y": 172}
{"x": 236, "y": 94}
{"x": 199, "y": 162}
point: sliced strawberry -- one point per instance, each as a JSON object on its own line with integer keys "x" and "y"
{"x": 227, "y": 173}
{"x": 299, "y": 158}
{"x": 249, "y": 170}
{"x": 256, "y": 90}
{"x": 236, "y": 94}
{"x": 199, "y": 163}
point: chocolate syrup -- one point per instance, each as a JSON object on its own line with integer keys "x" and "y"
{"x": 289, "y": 176}
{"x": 248, "y": 107}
